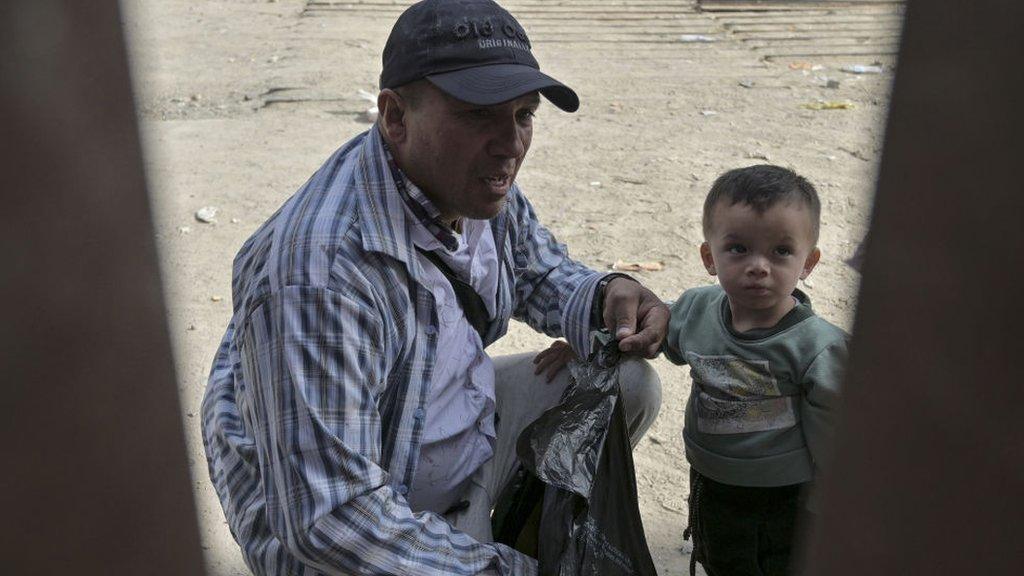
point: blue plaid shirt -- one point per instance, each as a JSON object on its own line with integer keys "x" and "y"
{"x": 313, "y": 414}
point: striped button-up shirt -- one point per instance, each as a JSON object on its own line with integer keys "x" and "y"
{"x": 314, "y": 411}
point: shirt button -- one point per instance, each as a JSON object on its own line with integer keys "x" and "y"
{"x": 403, "y": 489}
{"x": 418, "y": 414}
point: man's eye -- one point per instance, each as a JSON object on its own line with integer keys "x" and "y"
{"x": 526, "y": 115}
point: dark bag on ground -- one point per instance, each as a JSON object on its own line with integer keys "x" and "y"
{"x": 578, "y": 455}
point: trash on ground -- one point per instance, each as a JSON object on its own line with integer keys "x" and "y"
{"x": 831, "y": 83}
{"x": 805, "y": 66}
{"x": 856, "y": 154}
{"x": 184, "y": 229}
{"x": 623, "y": 266}
{"x": 371, "y": 113}
{"x": 708, "y": 113}
{"x": 595, "y": 184}
{"x": 759, "y": 155}
{"x": 207, "y": 214}
{"x": 696, "y": 38}
{"x": 216, "y": 298}
{"x": 829, "y": 105}
{"x": 747, "y": 83}
{"x": 862, "y": 69}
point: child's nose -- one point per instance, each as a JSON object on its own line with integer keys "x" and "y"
{"x": 758, "y": 266}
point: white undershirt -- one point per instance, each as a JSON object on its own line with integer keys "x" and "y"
{"x": 458, "y": 434}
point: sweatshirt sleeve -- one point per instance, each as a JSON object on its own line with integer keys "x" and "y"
{"x": 822, "y": 383}
{"x": 679, "y": 311}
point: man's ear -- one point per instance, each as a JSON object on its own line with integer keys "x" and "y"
{"x": 810, "y": 263}
{"x": 391, "y": 116}
{"x": 705, "y": 255}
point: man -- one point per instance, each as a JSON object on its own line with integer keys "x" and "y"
{"x": 353, "y": 422}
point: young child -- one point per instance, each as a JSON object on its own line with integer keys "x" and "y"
{"x": 766, "y": 372}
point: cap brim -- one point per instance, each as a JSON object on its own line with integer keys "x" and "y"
{"x": 497, "y": 83}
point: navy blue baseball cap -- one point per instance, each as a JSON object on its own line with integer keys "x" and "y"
{"x": 473, "y": 50}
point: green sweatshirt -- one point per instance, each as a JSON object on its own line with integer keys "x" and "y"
{"x": 763, "y": 406}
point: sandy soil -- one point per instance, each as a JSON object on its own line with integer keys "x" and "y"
{"x": 242, "y": 100}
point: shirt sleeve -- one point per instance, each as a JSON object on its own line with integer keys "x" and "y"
{"x": 315, "y": 363}
{"x": 554, "y": 294}
{"x": 679, "y": 314}
{"x": 819, "y": 409}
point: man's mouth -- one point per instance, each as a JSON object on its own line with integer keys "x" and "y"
{"x": 499, "y": 182}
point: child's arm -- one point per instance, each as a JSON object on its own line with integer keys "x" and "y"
{"x": 679, "y": 311}
{"x": 822, "y": 382}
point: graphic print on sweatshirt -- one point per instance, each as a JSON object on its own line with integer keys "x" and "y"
{"x": 736, "y": 396}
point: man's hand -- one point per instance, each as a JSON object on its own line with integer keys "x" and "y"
{"x": 552, "y": 360}
{"x": 637, "y": 317}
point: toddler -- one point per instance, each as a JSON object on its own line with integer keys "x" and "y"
{"x": 766, "y": 372}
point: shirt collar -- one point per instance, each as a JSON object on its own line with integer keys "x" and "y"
{"x": 419, "y": 205}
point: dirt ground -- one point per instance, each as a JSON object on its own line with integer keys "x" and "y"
{"x": 241, "y": 100}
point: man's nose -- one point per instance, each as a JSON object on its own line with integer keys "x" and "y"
{"x": 509, "y": 140}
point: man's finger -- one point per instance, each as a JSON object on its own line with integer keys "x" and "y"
{"x": 625, "y": 328}
{"x": 640, "y": 342}
{"x": 622, "y": 299}
{"x": 552, "y": 372}
{"x": 653, "y": 328}
{"x": 623, "y": 319}
{"x": 541, "y": 365}
{"x": 652, "y": 350}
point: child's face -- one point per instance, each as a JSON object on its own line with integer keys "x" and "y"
{"x": 759, "y": 258}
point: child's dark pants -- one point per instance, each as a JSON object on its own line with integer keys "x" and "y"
{"x": 744, "y": 531}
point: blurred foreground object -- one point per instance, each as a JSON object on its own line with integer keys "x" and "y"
{"x": 95, "y": 477}
{"x": 929, "y": 473}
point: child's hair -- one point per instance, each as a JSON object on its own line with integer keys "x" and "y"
{"x": 761, "y": 187}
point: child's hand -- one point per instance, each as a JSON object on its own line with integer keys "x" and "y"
{"x": 552, "y": 360}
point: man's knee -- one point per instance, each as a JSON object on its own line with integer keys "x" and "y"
{"x": 641, "y": 395}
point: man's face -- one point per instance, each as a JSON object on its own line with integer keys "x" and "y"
{"x": 759, "y": 258}
{"x": 463, "y": 156}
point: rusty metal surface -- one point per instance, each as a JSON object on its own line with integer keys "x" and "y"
{"x": 95, "y": 478}
{"x": 930, "y": 470}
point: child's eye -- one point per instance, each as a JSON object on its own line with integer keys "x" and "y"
{"x": 736, "y": 249}
{"x": 784, "y": 251}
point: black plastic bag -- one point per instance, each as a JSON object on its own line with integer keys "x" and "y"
{"x": 590, "y": 518}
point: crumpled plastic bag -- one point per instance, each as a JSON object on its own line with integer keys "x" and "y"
{"x": 590, "y": 518}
